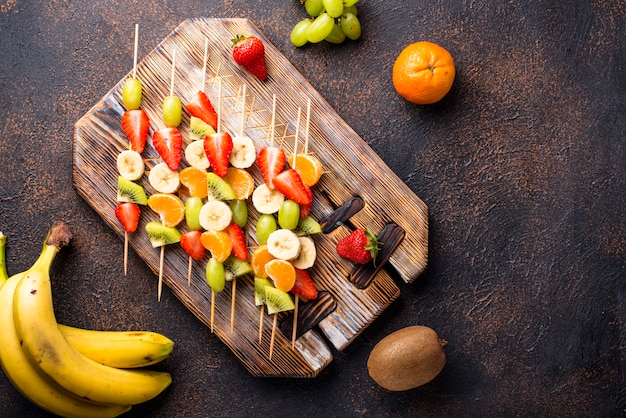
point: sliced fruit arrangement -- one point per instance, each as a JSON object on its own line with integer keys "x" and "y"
{"x": 201, "y": 201}
{"x": 284, "y": 226}
{"x": 70, "y": 371}
{"x": 130, "y": 165}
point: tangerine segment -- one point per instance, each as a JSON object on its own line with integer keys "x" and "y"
{"x": 241, "y": 181}
{"x": 309, "y": 167}
{"x": 423, "y": 72}
{"x": 282, "y": 273}
{"x": 218, "y": 243}
{"x": 259, "y": 258}
{"x": 170, "y": 208}
{"x": 195, "y": 180}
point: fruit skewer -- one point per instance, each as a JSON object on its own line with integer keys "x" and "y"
{"x": 297, "y": 298}
{"x": 168, "y": 143}
{"x": 191, "y": 241}
{"x": 130, "y": 165}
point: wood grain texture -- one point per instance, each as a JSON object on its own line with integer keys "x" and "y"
{"x": 353, "y": 168}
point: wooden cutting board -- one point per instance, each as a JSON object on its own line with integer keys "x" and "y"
{"x": 352, "y": 169}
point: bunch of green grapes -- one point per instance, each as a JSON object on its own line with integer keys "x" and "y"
{"x": 329, "y": 20}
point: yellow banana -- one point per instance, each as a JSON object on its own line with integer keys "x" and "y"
{"x": 121, "y": 349}
{"x": 44, "y": 344}
{"x": 29, "y": 380}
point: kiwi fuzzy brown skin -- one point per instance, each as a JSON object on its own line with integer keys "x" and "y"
{"x": 407, "y": 358}
{"x": 218, "y": 188}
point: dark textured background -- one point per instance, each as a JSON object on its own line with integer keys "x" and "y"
{"x": 522, "y": 167}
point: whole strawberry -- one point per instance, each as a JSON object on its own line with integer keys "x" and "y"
{"x": 361, "y": 246}
{"x": 249, "y": 52}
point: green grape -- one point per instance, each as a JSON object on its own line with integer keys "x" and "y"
{"x": 298, "y": 33}
{"x": 215, "y": 275}
{"x": 265, "y": 225}
{"x": 172, "y": 111}
{"x": 334, "y": 8}
{"x": 289, "y": 214}
{"x": 193, "y": 205}
{"x": 336, "y": 36}
{"x": 314, "y": 7}
{"x": 351, "y": 26}
{"x": 350, "y": 9}
{"x": 349, "y": 3}
{"x": 240, "y": 212}
{"x": 131, "y": 94}
{"x": 321, "y": 27}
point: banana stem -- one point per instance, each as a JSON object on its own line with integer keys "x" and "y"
{"x": 3, "y": 266}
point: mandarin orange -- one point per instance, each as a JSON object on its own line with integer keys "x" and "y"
{"x": 423, "y": 72}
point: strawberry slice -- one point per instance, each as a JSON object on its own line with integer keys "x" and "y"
{"x": 304, "y": 285}
{"x": 271, "y": 161}
{"x": 200, "y": 106}
{"x": 169, "y": 144}
{"x": 240, "y": 250}
{"x": 191, "y": 243}
{"x": 218, "y": 147}
{"x": 128, "y": 214}
{"x": 290, "y": 184}
{"x": 136, "y": 125}
{"x": 305, "y": 210}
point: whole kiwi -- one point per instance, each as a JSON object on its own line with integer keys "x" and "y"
{"x": 407, "y": 358}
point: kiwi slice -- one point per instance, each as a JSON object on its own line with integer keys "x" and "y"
{"x": 161, "y": 235}
{"x": 308, "y": 226}
{"x": 259, "y": 290}
{"x": 129, "y": 191}
{"x": 277, "y": 300}
{"x": 234, "y": 267}
{"x": 198, "y": 128}
{"x": 218, "y": 188}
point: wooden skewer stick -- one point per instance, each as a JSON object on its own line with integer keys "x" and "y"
{"x": 273, "y": 334}
{"x": 234, "y": 281}
{"x": 261, "y": 322}
{"x": 161, "y": 259}
{"x": 135, "y": 53}
{"x": 189, "y": 270}
{"x": 206, "y": 56}
{"x": 308, "y": 121}
{"x": 243, "y": 111}
{"x": 219, "y": 109}
{"x": 295, "y": 312}
{"x": 273, "y": 120}
{"x": 160, "y": 287}
{"x": 129, "y": 144}
{"x": 212, "y": 308}
{"x": 232, "y": 304}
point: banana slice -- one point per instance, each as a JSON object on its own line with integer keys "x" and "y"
{"x": 130, "y": 164}
{"x": 164, "y": 180}
{"x": 283, "y": 244}
{"x": 307, "y": 255}
{"x": 266, "y": 200}
{"x": 196, "y": 156}
{"x": 243, "y": 154}
{"x": 215, "y": 216}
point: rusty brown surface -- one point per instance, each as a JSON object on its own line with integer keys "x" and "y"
{"x": 522, "y": 167}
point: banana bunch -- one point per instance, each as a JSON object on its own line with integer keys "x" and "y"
{"x": 68, "y": 371}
